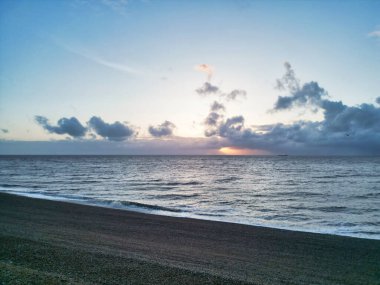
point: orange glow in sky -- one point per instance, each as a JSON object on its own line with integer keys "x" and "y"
{"x": 229, "y": 150}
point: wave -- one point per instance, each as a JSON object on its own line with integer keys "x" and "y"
{"x": 160, "y": 183}
{"x": 149, "y": 207}
{"x": 335, "y": 209}
{"x": 175, "y": 196}
{"x": 182, "y": 183}
{"x": 91, "y": 201}
{"x": 227, "y": 179}
{"x": 301, "y": 194}
{"x": 18, "y": 187}
{"x": 345, "y": 175}
{"x": 367, "y": 196}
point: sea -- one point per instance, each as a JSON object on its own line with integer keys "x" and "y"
{"x": 334, "y": 195}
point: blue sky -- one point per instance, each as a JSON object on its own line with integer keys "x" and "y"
{"x": 134, "y": 62}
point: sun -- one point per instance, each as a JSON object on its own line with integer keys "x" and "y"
{"x": 231, "y": 150}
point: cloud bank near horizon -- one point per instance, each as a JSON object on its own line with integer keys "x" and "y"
{"x": 156, "y": 146}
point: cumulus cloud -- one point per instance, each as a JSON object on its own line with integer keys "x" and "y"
{"x": 206, "y": 68}
{"x": 343, "y": 130}
{"x": 214, "y": 119}
{"x": 114, "y": 132}
{"x": 305, "y": 137}
{"x": 162, "y": 130}
{"x": 70, "y": 126}
{"x": 308, "y": 94}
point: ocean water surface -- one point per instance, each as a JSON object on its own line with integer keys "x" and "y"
{"x": 336, "y": 195}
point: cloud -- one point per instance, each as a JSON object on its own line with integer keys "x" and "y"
{"x": 216, "y": 106}
{"x": 113, "y": 132}
{"x": 70, "y": 126}
{"x": 374, "y": 34}
{"x": 214, "y": 119}
{"x": 234, "y": 94}
{"x": 208, "y": 69}
{"x": 162, "y": 130}
{"x": 378, "y": 100}
{"x": 119, "y": 6}
{"x": 207, "y": 89}
{"x": 5, "y": 131}
{"x": 309, "y": 94}
{"x": 89, "y": 55}
{"x": 343, "y": 130}
{"x": 172, "y": 145}
{"x": 288, "y": 80}
{"x": 305, "y": 137}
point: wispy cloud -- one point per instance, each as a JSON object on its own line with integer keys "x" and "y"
{"x": 208, "y": 89}
{"x": 90, "y": 55}
{"x": 374, "y": 34}
{"x": 206, "y": 68}
{"x": 118, "y": 6}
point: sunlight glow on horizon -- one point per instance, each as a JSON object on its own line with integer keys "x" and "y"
{"x": 230, "y": 150}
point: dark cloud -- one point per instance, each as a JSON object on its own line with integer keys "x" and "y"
{"x": 343, "y": 130}
{"x": 309, "y": 94}
{"x": 207, "y": 89}
{"x": 234, "y": 94}
{"x": 216, "y": 106}
{"x": 302, "y": 137}
{"x": 162, "y": 130}
{"x": 378, "y": 100}
{"x": 288, "y": 80}
{"x": 231, "y": 126}
{"x": 172, "y": 145}
{"x": 70, "y": 126}
{"x": 5, "y": 131}
{"x": 113, "y": 132}
{"x": 214, "y": 119}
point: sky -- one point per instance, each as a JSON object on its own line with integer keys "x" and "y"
{"x": 190, "y": 77}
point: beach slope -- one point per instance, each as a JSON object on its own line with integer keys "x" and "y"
{"x": 50, "y": 242}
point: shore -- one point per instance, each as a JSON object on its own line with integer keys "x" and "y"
{"x": 50, "y": 242}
